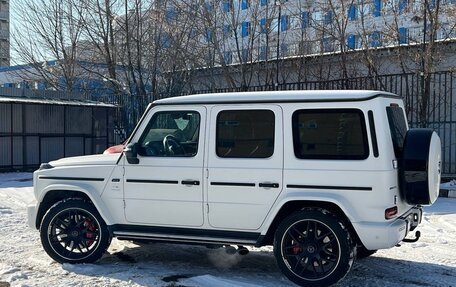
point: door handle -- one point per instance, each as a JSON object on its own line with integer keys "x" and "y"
{"x": 268, "y": 184}
{"x": 190, "y": 182}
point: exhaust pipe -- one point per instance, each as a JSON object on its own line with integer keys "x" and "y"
{"x": 230, "y": 249}
{"x": 241, "y": 250}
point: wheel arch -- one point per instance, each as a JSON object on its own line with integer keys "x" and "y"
{"x": 59, "y": 193}
{"x": 292, "y": 206}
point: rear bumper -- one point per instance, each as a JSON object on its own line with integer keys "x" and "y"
{"x": 382, "y": 235}
{"x": 32, "y": 210}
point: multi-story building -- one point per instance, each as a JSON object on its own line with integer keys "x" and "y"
{"x": 4, "y": 33}
{"x": 247, "y": 30}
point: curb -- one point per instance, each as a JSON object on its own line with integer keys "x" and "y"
{"x": 447, "y": 193}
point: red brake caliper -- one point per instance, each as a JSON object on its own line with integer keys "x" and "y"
{"x": 90, "y": 235}
{"x": 296, "y": 249}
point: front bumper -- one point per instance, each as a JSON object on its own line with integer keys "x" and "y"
{"x": 382, "y": 235}
{"x": 32, "y": 210}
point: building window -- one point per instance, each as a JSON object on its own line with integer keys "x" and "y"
{"x": 245, "y": 134}
{"x": 209, "y": 6}
{"x": 284, "y": 23}
{"x": 283, "y": 50}
{"x": 375, "y": 39}
{"x": 377, "y": 9}
{"x": 263, "y": 53}
{"x": 165, "y": 40}
{"x": 245, "y": 55}
{"x": 228, "y": 57}
{"x": 305, "y": 18}
{"x": 328, "y": 44}
{"x": 328, "y": 18}
{"x": 226, "y": 6}
{"x": 403, "y": 4}
{"x": 227, "y": 30}
{"x": 352, "y": 12}
{"x": 170, "y": 14}
{"x": 352, "y": 42}
{"x": 330, "y": 134}
{"x": 208, "y": 36}
{"x": 403, "y": 35}
{"x": 263, "y": 28}
{"x": 245, "y": 29}
{"x": 264, "y": 2}
{"x": 245, "y": 4}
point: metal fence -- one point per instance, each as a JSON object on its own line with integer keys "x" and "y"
{"x": 439, "y": 113}
{"x": 33, "y": 133}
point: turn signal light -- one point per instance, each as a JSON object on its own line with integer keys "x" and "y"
{"x": 390, "y": 212}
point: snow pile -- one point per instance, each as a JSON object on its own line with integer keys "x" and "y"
{"x": 428, "y": 262}
{"x": 451, "y": 185}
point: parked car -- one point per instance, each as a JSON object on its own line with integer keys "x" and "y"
{"x": 320, "y": 175}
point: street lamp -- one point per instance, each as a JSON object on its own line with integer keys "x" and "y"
{"x": 278, "y": 4}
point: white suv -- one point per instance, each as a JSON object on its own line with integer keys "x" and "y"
{"x": 321, "y": 175}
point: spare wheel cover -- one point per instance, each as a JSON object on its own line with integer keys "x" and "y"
{"x": 420, "y": 171}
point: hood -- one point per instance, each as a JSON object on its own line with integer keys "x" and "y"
{"x": 99, "y": 159}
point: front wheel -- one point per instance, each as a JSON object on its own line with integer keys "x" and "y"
{"x": 72, "y": 231}
{"x": 313, "y": 248}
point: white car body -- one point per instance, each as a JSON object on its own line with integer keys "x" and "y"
{"x": 149, "y": 201}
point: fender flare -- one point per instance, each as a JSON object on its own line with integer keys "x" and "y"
{"x": 86, "y": 189}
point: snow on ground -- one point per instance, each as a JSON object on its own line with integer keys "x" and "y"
{"x": 429, "y": 262}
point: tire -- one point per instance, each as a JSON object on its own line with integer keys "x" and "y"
{"x": 362, "y": 252}
{"x": 310, "y": 258}
{"x": 72, "y": 231}
{"x": 420, "y": 167}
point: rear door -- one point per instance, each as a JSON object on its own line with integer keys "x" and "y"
{"x": 245, "y": 164}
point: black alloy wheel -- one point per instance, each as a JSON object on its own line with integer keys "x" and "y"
{"x": 72, "y": 231}
{"x": 313, "y": 249}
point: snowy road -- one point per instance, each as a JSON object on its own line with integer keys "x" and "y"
{"x": 429, "y": 262}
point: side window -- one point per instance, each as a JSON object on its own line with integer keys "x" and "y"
{"x": 245, "y": 134}
{"x": 398, "y": 128}
{"x": 330, "y": 134}
{"x": 171, "y": 133}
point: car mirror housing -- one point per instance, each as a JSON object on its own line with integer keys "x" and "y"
{"x": 131, "y": 153}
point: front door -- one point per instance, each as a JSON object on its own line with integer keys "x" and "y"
{"x": 245, "y": 164}
{"x": 166, "y": 187}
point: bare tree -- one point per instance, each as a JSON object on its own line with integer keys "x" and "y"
{"x": 49, "y": 30}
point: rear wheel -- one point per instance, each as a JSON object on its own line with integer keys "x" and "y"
{"x": 72, "y": 231}
{"x": 313, "y": 248}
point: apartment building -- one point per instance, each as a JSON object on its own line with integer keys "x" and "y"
{"x": 249, "y": 31}
{"x": 4, "y": 33}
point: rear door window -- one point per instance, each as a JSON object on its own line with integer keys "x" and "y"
{"x": 330, "y": 134}
{"x": 245, "y": 134}
{"x": 398, "y": 128}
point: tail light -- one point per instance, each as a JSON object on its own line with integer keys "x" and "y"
{"x": 391, "y": 212}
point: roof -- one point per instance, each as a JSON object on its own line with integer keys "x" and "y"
{"x": 278, "y": 96}
{"x": 8, "y": 99}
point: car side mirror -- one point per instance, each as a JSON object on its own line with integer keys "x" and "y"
{"x": 131, "y": 153}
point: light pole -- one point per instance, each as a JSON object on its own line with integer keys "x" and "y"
{"x": 423, "y": 65}
{"x": 279, "y": 4}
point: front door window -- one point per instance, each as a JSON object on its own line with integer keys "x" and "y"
{"x": 171, "y": 134}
